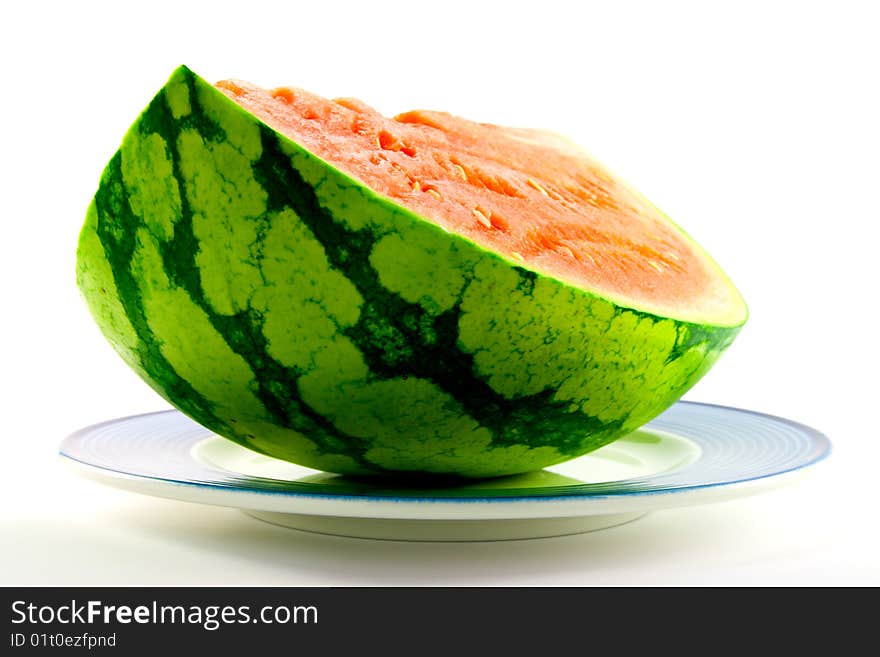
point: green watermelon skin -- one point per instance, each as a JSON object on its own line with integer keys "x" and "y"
{"x": 286, "y": 306}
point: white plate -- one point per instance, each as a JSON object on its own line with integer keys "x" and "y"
{"x": 692, "y": 454}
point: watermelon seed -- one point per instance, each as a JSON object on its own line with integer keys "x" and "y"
{"x": 497, "y": 221}
{"x": 656, "y": 265}
{"x": 538, "y": 186}
{"x": 564, "y": 250}
{"x": 387, "y": 141}
{"x": 283, "y": 94}
{"x": 482, "y": 218}
{"x": 461, "y": 171}
{"x": 416, "y": 186}
{"x": 359, "y": 126}
{"x": 518, "y": 256}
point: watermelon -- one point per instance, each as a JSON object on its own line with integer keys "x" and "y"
{"x": 364, "y": 295}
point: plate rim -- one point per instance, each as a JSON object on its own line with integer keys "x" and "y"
{"x": 578, "y": 498}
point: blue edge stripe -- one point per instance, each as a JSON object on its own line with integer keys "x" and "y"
{"x": 822, "y": 444}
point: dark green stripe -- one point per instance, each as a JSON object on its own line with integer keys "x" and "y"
{"x": 400, "y": 339}
{"x": 694, "y": 335}
{"x": 276, "y": 384}
{"x": 116, "y": 229}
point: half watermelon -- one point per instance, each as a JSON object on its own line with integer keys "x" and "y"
{"x": 362, "y": 295}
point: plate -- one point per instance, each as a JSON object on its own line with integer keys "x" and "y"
{"x": 692, "y": 454}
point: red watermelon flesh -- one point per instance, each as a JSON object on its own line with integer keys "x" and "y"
{"x": 530, "y": 195}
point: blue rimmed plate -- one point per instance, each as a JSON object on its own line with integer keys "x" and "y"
{"x": 691, "y": 454}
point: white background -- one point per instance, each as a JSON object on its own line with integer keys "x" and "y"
{"x": 754, "y": 126}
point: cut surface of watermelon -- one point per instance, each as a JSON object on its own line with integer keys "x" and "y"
{"x": 530, "y": 195}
